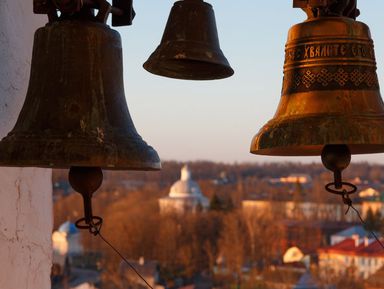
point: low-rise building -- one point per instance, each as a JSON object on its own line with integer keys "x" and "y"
{"x": 303, "y": 179}
{"x": 334, "y": 212}
{"x": 354, "y": 256}
{"x": 358, "y": 231}
{"x": 66, "y": 242}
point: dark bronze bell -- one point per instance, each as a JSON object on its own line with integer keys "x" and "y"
{"x": 75, "y": 112}
{"x": 190, "y": 46}
{"x": 330, "y": 93}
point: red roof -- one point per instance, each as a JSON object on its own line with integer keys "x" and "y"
{"x": 347, "y": 247}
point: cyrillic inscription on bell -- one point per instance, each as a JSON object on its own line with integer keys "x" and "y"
{"x": 330, "y": 92}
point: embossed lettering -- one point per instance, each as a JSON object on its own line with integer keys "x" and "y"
{"x": 363, "y": 52}
{"x": 359, "y": 50}
{"x": 343, "y": 50}
{"x": 335, "y": 50}
{"x": 312, "y": 52}
{"x": 327, "y": 50}
{"x": 306, "y": 55}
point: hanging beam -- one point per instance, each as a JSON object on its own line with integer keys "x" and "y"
{"x": 122, "y": 10}
{"x": 309, "y": 3}
{"x": 40, "y": 6}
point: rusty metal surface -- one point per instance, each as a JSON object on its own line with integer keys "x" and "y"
{"x": 75, "y": 112}
{"x": 330, "y": 92}
{"x": 328, "y": 8}
{"x": 40, "y": 6}
{"x": 309, "y": 3}
{"x": 190, "y": 46}
{"x": 127, "y": 15}
{"x": 122, "y": 10}
{"x": 68, "y": 6}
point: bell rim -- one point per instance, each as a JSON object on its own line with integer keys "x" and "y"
{"x": 162, "y": 66}
{"x": 281, "y": 137}
{"x": 61, "y": 153}
{"x": 228, "y": 72}
{"x": 149, "y": 168}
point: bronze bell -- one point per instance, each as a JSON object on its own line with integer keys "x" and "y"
{"x": 330, "y": 93}
{"x": 190, "y": 46}
{"x": 75, "y": 113}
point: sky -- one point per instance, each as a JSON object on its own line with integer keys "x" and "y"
{"x": 216, "y": 120}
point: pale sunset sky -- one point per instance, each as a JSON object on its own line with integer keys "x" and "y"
{"x": 216, "y": 120}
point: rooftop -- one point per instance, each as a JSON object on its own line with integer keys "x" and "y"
{"x": 352, "y": 246}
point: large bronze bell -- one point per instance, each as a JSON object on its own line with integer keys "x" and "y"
{"x": 190, "y": 46}
{"x": 330, "y": 93}
{"x": 75, "y": 113}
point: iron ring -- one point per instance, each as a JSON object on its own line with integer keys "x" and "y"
{"x": 352, "y": 189}
{"x": 95, "y": 222}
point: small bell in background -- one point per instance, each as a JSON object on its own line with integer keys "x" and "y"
{"x": 190, "y": 46}
{"x": 330, "y": 103}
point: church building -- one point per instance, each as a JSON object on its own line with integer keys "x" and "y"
{"x": 184, "y": 196}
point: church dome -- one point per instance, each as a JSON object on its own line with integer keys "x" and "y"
{"x": 69, "y": 228}
{"x": 184, "y": 196}
{"x": 185, "y": 187}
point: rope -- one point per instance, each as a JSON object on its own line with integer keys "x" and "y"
{"x": 347, "y": 200}
{"x": 94, "y": 228}
{"x": 124, "y": 259}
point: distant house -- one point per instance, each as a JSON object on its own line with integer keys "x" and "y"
{"x": 358, "y": 231}
{"x": 303, "y": 179}
{"x": 66, "y": 242}
{"x": 184, "y": 196}
{"x": 308, "y": 210}
{"x": 361, "y": 258}
{"x": 369, "y": 193}
{"x": 293, "y": 255}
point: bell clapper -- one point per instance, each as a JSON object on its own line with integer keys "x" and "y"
{"x": 86, "y": 180}
{"x": 336, "y": 158}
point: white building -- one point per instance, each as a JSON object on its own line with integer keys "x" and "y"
{"x": 66, "y": 242}
{"x": 360, "y": 257}
{"x": 355, "y": 231}
{"x": 184, "y": 196}
{"x": 369, "y": 193}
{"x": 303, "y": 179}
{"x": 308, "y": 210}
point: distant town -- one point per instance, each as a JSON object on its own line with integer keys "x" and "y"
{"x": 203, "y": 225}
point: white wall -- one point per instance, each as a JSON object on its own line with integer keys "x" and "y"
{"x": 25, "y": 194}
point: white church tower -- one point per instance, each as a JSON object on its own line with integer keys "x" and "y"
{"x": 184, "y": 196}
